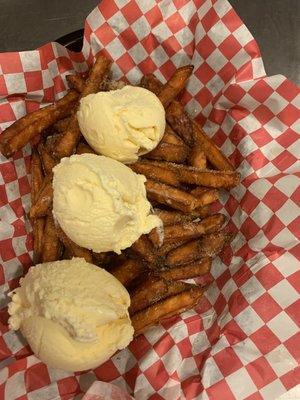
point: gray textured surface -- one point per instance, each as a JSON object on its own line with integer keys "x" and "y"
{"x": 27, "y": 24}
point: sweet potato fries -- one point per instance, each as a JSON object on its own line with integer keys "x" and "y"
{"x": 184, "y": 175}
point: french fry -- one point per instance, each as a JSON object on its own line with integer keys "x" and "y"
{"x": 189, "y": 230}
{"x": 175, "y": 85}
{"x": 171, "y": 137}
{"x": 180, "y": 122}
{"x": 206, "y": 196}
{"x": 73, "y": 248}
{"x": 207, "y": 246}
{"x": 47, "y": 160}
{"x": 128, "y": 271}
{"x": 175, "y": 114}
{"x": 68, "y": 142}
{"x": 51, "y": 245}
{"x": 195, "y": 176}
{"x": 145, "y": 250}
{"x": 76, "y": 82}
{"x": 83, "y": 148}
{"x": 151, "y": 83}
{"x": 38, "y": 238}
{"x": 187, "y": 271}
{"x": 213, "y": 154}
{"x": 197, "y": 158}
{"x": 146, "y": 293}
{"x": 44, "y": 199}
{"x": 172, "y": 196}
{"x": 38, "y": 224}
{"x": 169, "y": 152}
{"x": 155, "y": 173}
{"x": 23, "y": 130}
{"x": 37, "y": 176}
{"x": 61, "y": 125}
{"x": 168, "y": 307}
{"x": 176, "y": 217}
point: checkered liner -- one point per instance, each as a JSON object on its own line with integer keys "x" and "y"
{"x": 243, "y": 340}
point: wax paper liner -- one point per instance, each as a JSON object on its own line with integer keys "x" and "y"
{"x": 242, "y": 342}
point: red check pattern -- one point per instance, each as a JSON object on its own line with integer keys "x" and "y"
{"x": 242, "y": 342}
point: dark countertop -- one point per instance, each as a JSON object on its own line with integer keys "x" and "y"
{"x": 27, "y": 24}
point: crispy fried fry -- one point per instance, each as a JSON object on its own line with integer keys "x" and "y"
{"x": 37, "y": 176}
{"x": 169, "y": 152}
{"x": 176, "y": 217}
{"x": 155, "y": 173}
{"x": 213, "y": 154}
{"x": 61, "y": 125}
{"x": 180, "y": 122}
{"x": 144, "y": 249}
{"x": 23, "y": 130}
{"x": 73, "y": 248}
{"x": 197, "y": 158}
{"x": 189, "y": 230}
{"x": 173, "y": 305}
{"x": 151, "y": 83}
{"x": 44, "y": 199}
{"x": 195, "y": 176}
{"x": 76, "y": 82}
{"x": 207, "y": 196}
{"x": 146, "y": 293}
{"x": 38, "y": 237}
{"x": 51, "y": 245}
{"x": 83, "y": 148}
{"x": 68, "y": 142}
{"x": 187, "y": 271}
{"x": 171, "y": 137}
{"x": 172, "y": 196}
{"x": 127, "y": 271}
{"x": 47, "y": 160}
{"x": 175, "y": 85}
{"x": 207, "y": 246}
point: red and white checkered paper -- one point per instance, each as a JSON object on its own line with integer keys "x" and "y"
{"x": 242, "y": 342}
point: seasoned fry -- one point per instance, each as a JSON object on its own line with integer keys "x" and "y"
{"x": 38, "y": 238}
{"x": 180, "y": 122}
{"x": 169, "y": 152}
{"x": 151, "y": 83}
{"x": 51, "y": 245}
{"x": 37, "y": 176}
{"x": 171, "y": 137}
{"x": 44, "y": 199}
{"x": 197, "y": 158}
{"x": 73, "y": 248}
{"x": 47, "y": 160}
{"x": 76, "y": 82}
{"x": 172, "y": 197}
{"x": 61, "y": 125}
{"x": 68, "y": 142}
{"x": 207, "y": 246}
{"x": 127, "y": 271}
{"x": 146, "y": 293}
{"x": 173, "y": 305}
{"x": 189, "y": 230}
{"x": 213, "y": 154}
{"x": 20, "y": 133}
{"x": 83, "y": 148}
{"x": 144, "y": 249}
{"x": 176, "y": 217}
{"x": 207, "y": 196}
{"x": 187, "y": 271}
{"x": 155, "y": 173}
{"x": 175, "y": 85}
{"x": 152, "y": 290}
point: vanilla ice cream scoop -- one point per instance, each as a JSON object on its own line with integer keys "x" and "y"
{"x": 100, "y": 203}
{"x": 73, "y": 314}
{"x": 122, "y": 124}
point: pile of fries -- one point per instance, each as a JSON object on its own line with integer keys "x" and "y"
{"x": 179, "y": 185}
